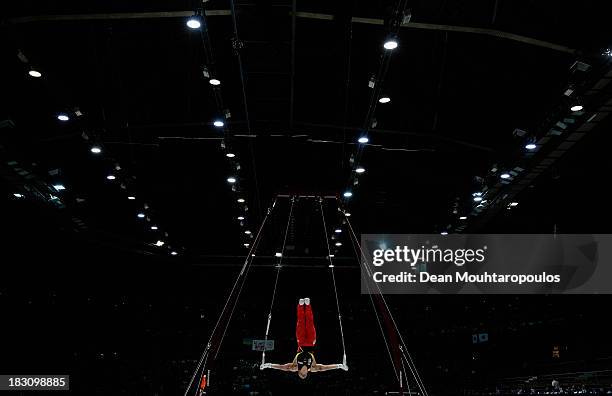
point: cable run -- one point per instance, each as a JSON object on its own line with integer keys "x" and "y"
{"x": 278, "y": 267}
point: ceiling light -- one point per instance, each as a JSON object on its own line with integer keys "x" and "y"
{"x": 230, "y": 155}
{"x": 348, "y": 194}
{"x": 531, "y": 146}
{"x": 477, "y": 198}
{"x": 159, "y": 243}
{"x": 245, "y": 245}
{"x": 35, "y": 73}
{"x": 247, "y": 232}
{"x": 241, "y": 218}
{"x": 363, "y": 139}
{"x": 347, "y": 214}
{"x": 173, "y": 253}
{"x": 111, "y": 177}
{"x": 331, "y": 256}
{"x": 63, "y": 117}
{"x": 384, "y": 99}
{"x": 95, "y": 149}
{"x": 463, "y": 218}
{"x": 513, "y": 204}
{"x": 360, "y": 169}
{"x": 338, "y": 243}
{"x": 576, "y": 107}
{"x": 444, "y": 233}
{"x": 59, "y": 187}
{"x": 390, "y": 44}
{"x": 194, "y": 23}
{"x": 218, "y": 123}
{"x": 141, "y": 215}
{"x": 278, "y": 254}
{"x": 17, "y": 195}
{"x": 154, "y": 228}
{"x": 505, "y": 175}
{"x": 214, "y": 81}
{"x": 231, "y": 180}
{"x": 338, "y": 230}
{"x": 131, "y": 197}
{"x": 240, "y": 200}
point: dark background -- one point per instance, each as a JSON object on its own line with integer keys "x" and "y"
{"x": 84, "y": 292}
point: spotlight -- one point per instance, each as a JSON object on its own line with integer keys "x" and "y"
{"x": 576, "y": 107}
{"x": 363, "y": 139}
{"x": 505, "y": 175}
{"x": 131, "y": 197}
{"x": 477, "y": 198}
{"x": 390, "y": 44}
{"x": 360, "y": 169}
{"x": 95, "y": 149}
{"x": 531, "y": 146}
{"x": 513, "y": 204}
{"x": 444, "y": 233}
{"x": 218, "y": 123}
{"x": 348, "y": 194}
{"x": 173, "y": 253}
{"x": 111, "y": 177}
{"x": 347, "y": 214}
{"x": 338, "y": 230}
{"x": 230, "y": 155}
{"x": 463, "y": 218}
{"x": 59, "y": 187}
{"x": 338, "y": 243}
{"x": 231, "y": 180}
{"x": 278, "y": 254}
{"x": 247, "y": 232}
{"x": 240, "y": 218}
{"x": 384, "y": 99}
{"x": 35, "y": 73}
{"x": 194, "y": 22}
{"x": 246, "y": 245}
{"x": 159, "y": 243}
{"x": 214, "y": 81}
{"x": 17, "y": 195}
{"x": 154, "y": 228}
{"x": 240, "y": 200}
{"x": 141, "y": 215}
{"x": 63, "y": 117}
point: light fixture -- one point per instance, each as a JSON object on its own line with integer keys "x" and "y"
{"x": 214, "y": 81}
{"x": 231, "y": 180}
{"x": 360, "y": 169}
{"x": 17, "y": 195}
{"x": 531, "y": 146}
{"x": 463, "y": 218}
{"x": 218, "y": 123}
{"x": 154, "y": 228}
{"x": 111, "y": 177}
{"x": 247, "y": 232}
{"x": 347, "y": 194}
{"x": 384, "y": 99}
{"x": 477, "y": 198}
{"x": 513, "y": 204}
{"x": 95, "y": 149}
{"x": 194, "y": 22}
{"x": 35, "y": 73}
{"x": 141, "y": 215}
{"x": 278, "y": 254}
{"x": 331, "y": 256}
{"x": 363, "y": 139}
{"x": 131, "y": 197}
{"x": 59, "y": 187}
{"x": 444, "y": 233}
{"x": 576, "y": 107}
{"x": 230, "y": 155}
{"x": 63, "y": 117}
{"x": 338, "y": 230}
{"x": 240, "y": 200}
{"x": 390, "y": 44}
{"x": 240, "y": 218}
{"x": 173, "y": 253}
{"x": 347, "y": 214}
{"x": 338, "y": 243}
{"x": 159, "y": 243}
{"x": 505, "y": 175}
{"x": 246, "y": 245}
